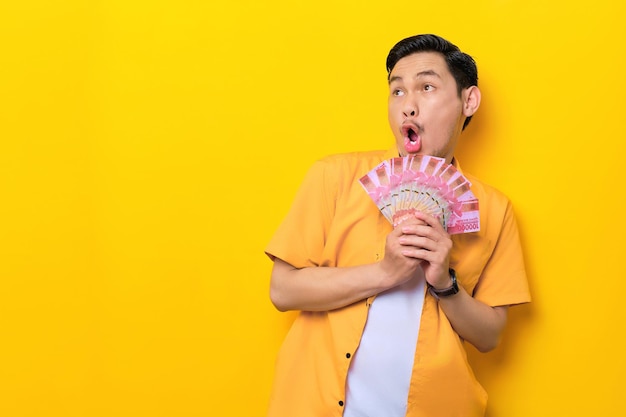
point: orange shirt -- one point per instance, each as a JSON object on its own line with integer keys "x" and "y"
{"x": 333, "y": 222}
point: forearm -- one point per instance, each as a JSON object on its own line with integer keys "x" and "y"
{"x": 323, "y": 288}
{"x": 474, "y": 321}
{"x": 479, "y": 324}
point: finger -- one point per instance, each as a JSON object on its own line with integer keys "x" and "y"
{"x": 425, "y": 232}
{"x": 429, "y": 220}
{"x": 430, "y": 257}
{"x": 419, "y": 254}
{"x": 411, "y": 221}
{"x": 437, "y": 244}
{"x": 417, "y": 241}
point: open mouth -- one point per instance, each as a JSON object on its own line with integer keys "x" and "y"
{"x": 411, "y": 133}
{"x": 412, "y": 136}
{"x": 412, "y": 139}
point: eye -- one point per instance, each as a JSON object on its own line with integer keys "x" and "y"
{"x": 397, "y": 92}
{"x": 429, "y": 87}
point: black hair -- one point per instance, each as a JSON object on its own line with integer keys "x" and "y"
{"x": 461, "y": 65}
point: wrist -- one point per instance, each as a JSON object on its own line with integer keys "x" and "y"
{"x": 448, "y": 291}
{"x": 443, "y": 284}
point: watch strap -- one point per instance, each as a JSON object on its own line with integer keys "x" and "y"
{"x": 445, "y": 292}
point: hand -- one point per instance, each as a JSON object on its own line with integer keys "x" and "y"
{"x": 426, "y": 241}
{"x": 397, "y": 268}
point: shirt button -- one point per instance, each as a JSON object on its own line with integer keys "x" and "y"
{"x": 348, "y": 355}
{"x": 340, "y": 403}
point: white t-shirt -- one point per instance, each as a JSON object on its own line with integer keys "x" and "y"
{"x": 380, "y": 372}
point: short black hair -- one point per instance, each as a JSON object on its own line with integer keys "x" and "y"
{"x": 461, "y": 65}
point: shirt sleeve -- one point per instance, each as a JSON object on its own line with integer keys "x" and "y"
{"x": 300, "y": 238}
{"x": 504, "y": 281}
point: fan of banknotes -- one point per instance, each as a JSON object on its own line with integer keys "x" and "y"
{"x": 401, "y": 186}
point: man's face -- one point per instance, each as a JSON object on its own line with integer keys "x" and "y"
{"x": 426, "y": 113}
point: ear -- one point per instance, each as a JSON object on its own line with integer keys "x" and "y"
{"x": 471, "y": 100}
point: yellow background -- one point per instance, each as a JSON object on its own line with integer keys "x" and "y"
{"x": 148, "y": 150}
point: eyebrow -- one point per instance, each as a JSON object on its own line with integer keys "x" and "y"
{"x": 418, "y": 75}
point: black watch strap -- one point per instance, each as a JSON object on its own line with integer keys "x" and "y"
{"x": 446, "y": 292}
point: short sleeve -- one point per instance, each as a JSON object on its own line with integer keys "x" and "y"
{"x": 300, "y": 238}
{"x": 504, "y": 281}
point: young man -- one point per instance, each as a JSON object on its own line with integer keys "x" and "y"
{"x": 384, "y": 311}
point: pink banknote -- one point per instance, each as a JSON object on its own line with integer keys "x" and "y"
{"x": 401, "y": 186}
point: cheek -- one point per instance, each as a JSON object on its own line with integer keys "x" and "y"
{"x": 448, "y": 115}
{"x": 394, "y": 125}
{"x": 391, "y": 115}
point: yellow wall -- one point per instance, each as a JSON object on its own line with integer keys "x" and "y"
{"x": 148, "y": 149}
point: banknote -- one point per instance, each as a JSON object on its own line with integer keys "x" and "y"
{"x": 404, "y": 185}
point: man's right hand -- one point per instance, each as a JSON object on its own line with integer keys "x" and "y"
{"x": 396, "y": 267}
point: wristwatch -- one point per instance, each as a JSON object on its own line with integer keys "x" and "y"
{"x": 445, "y": 292}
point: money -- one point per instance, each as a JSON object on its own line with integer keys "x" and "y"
{"x": 404, "y": 185}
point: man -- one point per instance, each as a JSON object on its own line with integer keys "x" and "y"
{"x": 384, "y": 311}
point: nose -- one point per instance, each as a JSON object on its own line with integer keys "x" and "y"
{"x": 409, "y": 107}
